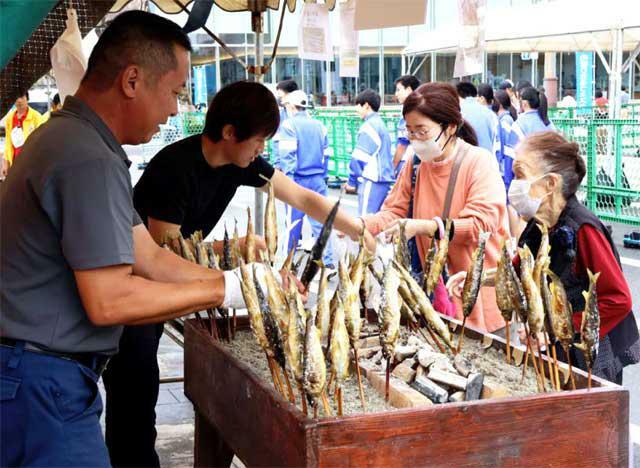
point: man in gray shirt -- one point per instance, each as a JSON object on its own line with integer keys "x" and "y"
{"x": 76, "y": 261}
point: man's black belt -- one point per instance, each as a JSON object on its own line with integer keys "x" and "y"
{"x": 94, "y": 361}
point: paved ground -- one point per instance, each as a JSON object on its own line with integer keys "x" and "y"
{"x": 175, "y": 413}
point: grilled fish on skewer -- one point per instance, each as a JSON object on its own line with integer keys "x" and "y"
{"x": 349, "y": 296}
{"x": 474, "y": 277}
{"x": 543, "y": 253}
{"x": 401, "y": 247}
{"x": 339, "y": 344}
{"x": 590, "y": 327}
{"x": 519, "y": 297}
{"x": 428, "y": 265}
{"x": 253, "y": 307}
{"x": 226, "y": 250}
{"x": 535, "y": 316}
{"x": 322, "y": 304}
{"x": 440, "y": 260}
{"x": 314, "y": 365}
{"x": 270, "y": 222}
{"x": 236, "y": 252}
{"x": 504, "y": 296}
{"x": 561, "y": 313}
{"x": 390, "y": 312}
{"x": 187, "y": 253}
{"x": 271, "y": 327}
{"x": 295, "y": 336}
{"x": 424, "y": 306}
{"x": 317, "y": 251}
{"x": 276, "y": 297}
{"x": 250, "y": 240}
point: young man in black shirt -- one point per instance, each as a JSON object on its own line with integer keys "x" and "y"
{"x": 186, "y": 187}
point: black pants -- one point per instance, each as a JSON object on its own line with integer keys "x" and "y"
{"x": 132, "y": 382}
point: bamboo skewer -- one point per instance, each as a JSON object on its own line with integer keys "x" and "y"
{"x": 325, "y": 404}
{"x": 339, "y": 398}
{"x": 305, "y": 410}
{"x": 567, "y": 351}
{"x": 386, "y": 385}
{"x": 464, "y": 322}
{"x": 292, "y": 395}
{"x": 232, "y": 334}
{"x": 542, "y": 376}
{"x": 555, "y": 363}
{"x": 552, "y": 374}
{"x": 315, "y": 410}
{"x": 508, "y": 342}
{"x": 526, "y": 362}
{"x": 435, "y": 340}
{"x": 272, "y": 369}
{"x": 589, "y": 380}
{"x": 330, "y": 382}
{"x": 364, "y": 405}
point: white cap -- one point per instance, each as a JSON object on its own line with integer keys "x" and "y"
{"x": 298, "y": 98}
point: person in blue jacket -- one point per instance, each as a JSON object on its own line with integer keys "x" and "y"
{"x": 283, "y": 88}
{"x": 533, "y": 117}
{"x": 371, "y": 167}
{"x": 303, "y": 157}
{"x": 481, "y": 118}
{"x": 405, "y": 85}
{"x": 506, "y": 116}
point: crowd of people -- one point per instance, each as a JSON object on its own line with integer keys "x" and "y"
{"x": 86, "y": 285}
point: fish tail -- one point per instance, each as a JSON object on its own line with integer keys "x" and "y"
{"x": 585, "y": 294}
{"x": 593, "y": 277}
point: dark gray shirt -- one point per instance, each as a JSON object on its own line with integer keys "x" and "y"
{"x": 66, "y": 205}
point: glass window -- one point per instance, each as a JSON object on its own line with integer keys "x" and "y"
{"x": 289, "y": 68}
{"x": 568, "y": 73}
{"x": 314, "y": 81}
{"x": 602, "y": 78}
{"x": 392, "y": 71}
{"x": 521, "y": 69}
{"x": 444, "y": 66}
{"x": 423, "y": 70}
{"x": 369, "y": 73}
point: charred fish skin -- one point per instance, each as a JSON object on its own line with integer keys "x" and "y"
{"x": 535, "y": 315}
{"x": 561, "y": 311}
{"x": 226, "y": 251}
{"x": 322, "y": 305}
{"x": 424, "y": 306}
{"x": 271, "y": 328}
{"x": 314, "y": 365}
{"x": 547, "y": 299}
{"x": 390, "y": 312}
{"x": 270, "y": 222}
{"x": 250, "y": 241}
{"x": 503, "y": 293}
{"x": 317, "y": 251}
{"x": 349, "y": 296}
{"x": 253, "y": 307}
{"x": 296, "y": 333}
{"x": 474, "y": 276}
{"x": 590, "y": 327}
{"x": 440, "y": 259}
{"x": 516, "y": 289}
{"x": 339, "y": 344}
{"x": 543, "y": 253}
{"x": 428, "y": 265}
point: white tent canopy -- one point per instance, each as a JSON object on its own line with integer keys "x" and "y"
{"x": 561, "y": 26}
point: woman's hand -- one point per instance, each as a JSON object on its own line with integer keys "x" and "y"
{"x": 287, "y": 276}
{"x": 413, "y": 227}
{"x": 456, "y": 283}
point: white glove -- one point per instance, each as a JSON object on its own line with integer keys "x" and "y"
{"x": 233, "y": 298}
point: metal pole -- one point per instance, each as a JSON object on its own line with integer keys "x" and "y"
{"x": 615, "y": 77}
{"x": 218, "y": 73}
{"x": 329, "y": 83}
{"x": 381, "y": 66}
{"x": 256, "y": 24}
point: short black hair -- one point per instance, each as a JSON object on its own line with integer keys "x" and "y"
{"x": 56, "y": 99}
{"x": 624, "y": 88}
{"x": 486, "y": 91}
{"x": 369, "y": 96}
{"x": 135, "y": 37}
{"x": 598, "y": 93}
{"x": 24, "y": 93}
{"x": 466, "y": 89}
{"x": 248, "y": 106}
{"x": 408, "y": 81}
{"x": 288, "y": 86}
{"x": 523, "y": 84}
{"x": 506, "y": 84}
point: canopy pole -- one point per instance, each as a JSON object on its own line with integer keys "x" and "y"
{"x": 256, "y": 26}
{"x": 615, "y": 77}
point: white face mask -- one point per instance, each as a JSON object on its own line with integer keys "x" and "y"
{"x": 525, "y": 205}
{"x": 427, "y": 150}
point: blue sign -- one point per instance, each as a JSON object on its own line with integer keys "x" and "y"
{"x": 200, "y": 85}
{"x": 584, "y": 81}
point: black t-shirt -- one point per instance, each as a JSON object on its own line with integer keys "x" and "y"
{"x": 178, "y": 186}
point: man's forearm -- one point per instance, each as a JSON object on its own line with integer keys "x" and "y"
{"x": 319, "y": 207}
{"x": 169, "y": 267}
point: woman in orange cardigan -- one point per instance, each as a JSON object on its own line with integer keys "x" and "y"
{"x": 440, "y": 137}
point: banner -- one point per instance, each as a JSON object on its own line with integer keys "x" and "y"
{"x": 314, "y": 36}
{"x": 379, "y": 14}
{"x": 200, "y": 85}
{"x": 349, "y": 51}
{"x": 470, "y": 54}
{"x": 584, "y": 81}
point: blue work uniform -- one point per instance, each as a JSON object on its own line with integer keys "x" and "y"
{"x": 371, "y": 166}
{"x": 275, "y": 141}
{"x": 304, "y": 157}
{"x": 402, "y": 139}
{"x": 504, "y": 153}
{"x": 527, "y": 123}
{"x": 483, "y": 121}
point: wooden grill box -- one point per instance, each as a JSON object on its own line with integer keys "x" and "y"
{"x": 234, "y": 408}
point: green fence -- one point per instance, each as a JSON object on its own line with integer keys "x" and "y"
{"x": 628, "y": 111}
{"x": 611, "y": 187}
{"x": 611, "y": 149}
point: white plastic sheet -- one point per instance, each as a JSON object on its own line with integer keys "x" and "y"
{"x": 67, "y": 57}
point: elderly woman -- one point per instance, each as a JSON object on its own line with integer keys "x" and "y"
{"x": 548, "y": 170}
{"x": 445, "y": 144}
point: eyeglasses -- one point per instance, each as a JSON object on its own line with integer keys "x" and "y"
{"x": 419, "y": 134}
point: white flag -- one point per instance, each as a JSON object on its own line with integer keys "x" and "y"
{"x": 349, "y": 52}
{"x": 314, "y": 36}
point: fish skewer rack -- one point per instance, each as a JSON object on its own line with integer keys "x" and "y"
{"x": 238, "y": 413}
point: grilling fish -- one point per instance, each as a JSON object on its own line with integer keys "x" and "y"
{"x": 561, "y": 313}
{"x": 253, "y": 306}
{"x": 276, "y": 297}
{"x": 390, "y": 312}
{"x": 440, "y": 260}
{"x": 314, "y": 365}
{"x": 428, "y": 265}
{"x": 474, "y": 277}
{"x": 519, "y": 297}
{"x": 401, "y": 247}
{"x": 504, "y": 296}
{"x": 226, "y": 250}
{"x": 187, "y": 253}
{"x": 271, "y": 328}
{"x": 271, "y": 222}
{"x": 311, "y": 268}
{"x": 250, "y": 240}
{"x": 543, "y": 253}
{"x": 590, "y": 327}
{"x": 535, "y": 312}
{"x": 349, "y": 295}
{"x": 424, "y": 306}
{"x": 236, "y": 252}
{"x": 406, "y": 310}
{"x": 297, "y": 328}
{"x": 339, "y": 344}
{"x": 322, "y": 305}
